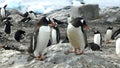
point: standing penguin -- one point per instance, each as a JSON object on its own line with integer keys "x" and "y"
{"x": 3, "y": 11}
{"x": 32, "y": 15}
{"x": 55, "y": 33}
{"x": 108, "y": 34}
{"x": 118, "y": 46}
{"x": 116, "y": 34}
{"x": 40, "y": 38}
{"x": 97, "y": 38}
{"x": 8, "y": 26}
{"x": 76, "y": 35}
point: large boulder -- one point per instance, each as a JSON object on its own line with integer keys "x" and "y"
{"x": 88, "y": 11}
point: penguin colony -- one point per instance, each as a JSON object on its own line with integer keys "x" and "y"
{"x": 46, "y": 33}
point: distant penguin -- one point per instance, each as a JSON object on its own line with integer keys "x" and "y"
{"x": 55, "y": 36}
{"x": 76, "y": 35}
{"x": 118, "y": 46}
{"x": 94, "y": 46}
{"x": 8, "y": 26}
{"x": 26, "y": 14}
{"x": 19, "y": 35}
{"x": 108, "y": 34}
{"x": 32, "y": 15}
{"x": 3, "y": 11}
{"x": 116, "y": 34}
{"x": 97, "y": 38}
{"x": 25, "y": 19}
{"x": 40, "y": 38}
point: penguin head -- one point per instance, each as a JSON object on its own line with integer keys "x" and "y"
{"x": 44, "y": 21}
{"x": 96, "y": 32}
{"x": 25, "y": 14}
{"x": 5, "y": 6}
{"x": 51, "y": 22}
{"x": 54, "y": 21}
{"x": 31, "y": 12}
{"x": 77, "y": 22}
{"x": 110, "y": 28}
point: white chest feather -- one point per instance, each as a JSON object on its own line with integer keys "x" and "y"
{"x": 76, "y": 37}
{"x": 97, "y": 39}
{"x": 108, "y": 34}
{"x": 118, "y": 46}
{"x": 54, "y": 36}
{"x": 32, "y": 15}
{"x": 2, "y": 12}
{"x": 69, "y": 19}
{"x": 42, "y": 39}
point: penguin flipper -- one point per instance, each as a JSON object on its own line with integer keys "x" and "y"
{"x": 33, "y": 43}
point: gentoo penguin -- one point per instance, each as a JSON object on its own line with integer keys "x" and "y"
{"x": 25, "y": 19}
{"x": 94, "y": 46}
{"x": 3, "y": 11}
{"x": 116, "y": 34}
{"x": 55, "y": 33}
{"x": 32, "y": 15}
{"x": 40, "y": 38}
{"x": 118, "y": 46}
{"x": 19, "y": 35}
{"x": 108, "y": 34}
{"x": 8, "y": 26}
{"x": 97, "y": 38}
{"x": 26, "y": 14}
{"x": 76, "y": 35}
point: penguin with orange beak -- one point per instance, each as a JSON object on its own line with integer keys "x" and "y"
{"x": 40, "y": 38}
{"x": 77, "y": 35}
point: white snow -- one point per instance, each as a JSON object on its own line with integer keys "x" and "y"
{"x": 45, "y": 6}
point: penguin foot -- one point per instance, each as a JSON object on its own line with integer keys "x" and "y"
{"x": 69, "y": 51}
{"x": 79, "y": 52}
{"x": 41, "y": 57}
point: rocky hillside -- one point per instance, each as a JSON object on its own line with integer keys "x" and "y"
{"x": 19, "y": 58}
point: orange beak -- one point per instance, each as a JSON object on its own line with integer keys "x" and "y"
{"x": 52, "y": 24}
{"x": 86, "y": 27}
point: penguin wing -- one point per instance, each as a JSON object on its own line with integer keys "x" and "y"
{"x": 114, "y": 34}
{"x": 86, "y": 42}
{"x": 100, "y": 39}
{"x": 58, "y": 35}
{"x": 33, "y": 41}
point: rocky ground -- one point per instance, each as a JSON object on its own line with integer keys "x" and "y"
{"x": 55, "y": 53}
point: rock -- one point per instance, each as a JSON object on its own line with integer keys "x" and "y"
{"x": 55, "y": 54}
{"x": 88, "y": 11}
